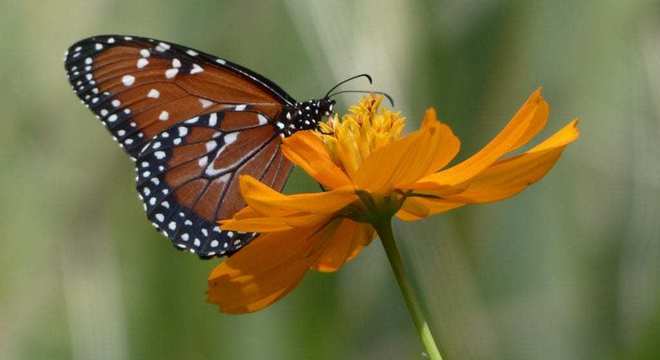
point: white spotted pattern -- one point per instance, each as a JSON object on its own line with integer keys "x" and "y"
{"x": 196, "y": 69}
{"x": 171, "y": 73}
{"x": 205, "y": 103}
{"x": 128, "y": 80}
{"x": 153, "y": 93}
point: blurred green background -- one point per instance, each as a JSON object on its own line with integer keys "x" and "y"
{"x": 570, "y": 269}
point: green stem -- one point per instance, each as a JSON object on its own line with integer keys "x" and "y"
{"x": 384, "y": 230}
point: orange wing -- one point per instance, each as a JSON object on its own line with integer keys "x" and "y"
{"x": 140, "y": 87}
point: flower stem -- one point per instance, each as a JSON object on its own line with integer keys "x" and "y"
{"x": 384, "y": 230}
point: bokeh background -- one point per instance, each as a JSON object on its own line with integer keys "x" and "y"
{"x": 570, "y": 269}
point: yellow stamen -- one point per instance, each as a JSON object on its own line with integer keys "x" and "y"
{"x": 365, "y": 128}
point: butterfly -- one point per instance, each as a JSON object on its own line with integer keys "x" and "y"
{"x": 192, "y": 123}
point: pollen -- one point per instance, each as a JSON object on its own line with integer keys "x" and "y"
{"x": 364, "y": 129}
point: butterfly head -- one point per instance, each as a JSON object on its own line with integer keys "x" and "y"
{"x": 308, "y": 114}
{"x": 326, "y": 106}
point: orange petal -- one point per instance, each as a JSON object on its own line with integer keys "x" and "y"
{"x": 249, "y": 220}
{"x": 306, "y": 150}
{"x": 269, "y": 202}
{"x": 408, "y": 159}
{"x": 256, "y": 224}
{"x": 344, "y": 244}
{"x": 263, "y": 272}
{"x": 448, "y": 143}
{"x": 529, "y": 120}
{"x": 417, "y": 208}
{"x": 510, "y": 176}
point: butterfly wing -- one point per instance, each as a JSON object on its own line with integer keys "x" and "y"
{"x": 139, "y": 87}
{"x": 167, "y": 106}
{"x": 188, "y": 176}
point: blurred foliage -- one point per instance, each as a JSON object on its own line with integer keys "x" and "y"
{"x": 568, "y": 270}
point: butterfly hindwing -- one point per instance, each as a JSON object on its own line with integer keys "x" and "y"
{"x": 187, "y": 177}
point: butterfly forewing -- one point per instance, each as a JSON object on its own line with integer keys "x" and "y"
{"x": 193, "y": 122}
{"x": 139, "y": 87}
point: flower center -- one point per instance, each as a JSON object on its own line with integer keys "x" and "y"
{"x": 364, "y": 129}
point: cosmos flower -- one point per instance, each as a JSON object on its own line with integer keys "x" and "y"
{"x": 370, "y": 173}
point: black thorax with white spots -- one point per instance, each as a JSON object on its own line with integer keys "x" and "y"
{"x": 304, "y": 115}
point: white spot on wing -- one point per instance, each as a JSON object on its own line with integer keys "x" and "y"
{"x": 162, "y": 47}
{"x": 213, "y": 119}
{"x": 205, "y": 103}
{"x": 171, "y": 73}
{"x": 128, "y": 80}
{"x": 203, "y": 161}
{"x": 196, "y": 69}
{"x": 192, "y": 52}
{"x": 153, "y": 93}
{"x": 231, "y": 137}
{"x": 211, "y": 145}
{"x": 164, "y": 115}
{"x": 142, "y": 62}
{"x": 262, "y": 119}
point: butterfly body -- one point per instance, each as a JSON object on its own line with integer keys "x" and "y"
{"x": 193, "y": 123}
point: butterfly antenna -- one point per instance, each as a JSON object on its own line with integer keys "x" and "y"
{"x": 371, "y": 81}
{"x": 389, "y": 98}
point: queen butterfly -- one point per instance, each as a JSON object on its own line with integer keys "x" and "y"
{"x": 192, "y": 123}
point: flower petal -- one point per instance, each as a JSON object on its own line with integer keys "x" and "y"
{"x": 417, "y": 208}
{"x": 346, "y": 242}
{"x": 510, "y": 176}
{"x": 268, "y": 202}
{"x": 408, "y": 159}
{"x": 256, "y": 224}
{"x": 264, "y": 224}
{"x": 306, "y": 150}
{"x": 527, "y": 122}
{"x": 448, "y": 144}
{"x": 264, "y": 271}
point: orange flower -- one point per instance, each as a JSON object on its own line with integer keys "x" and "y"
{"x": 370, "y": 173}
